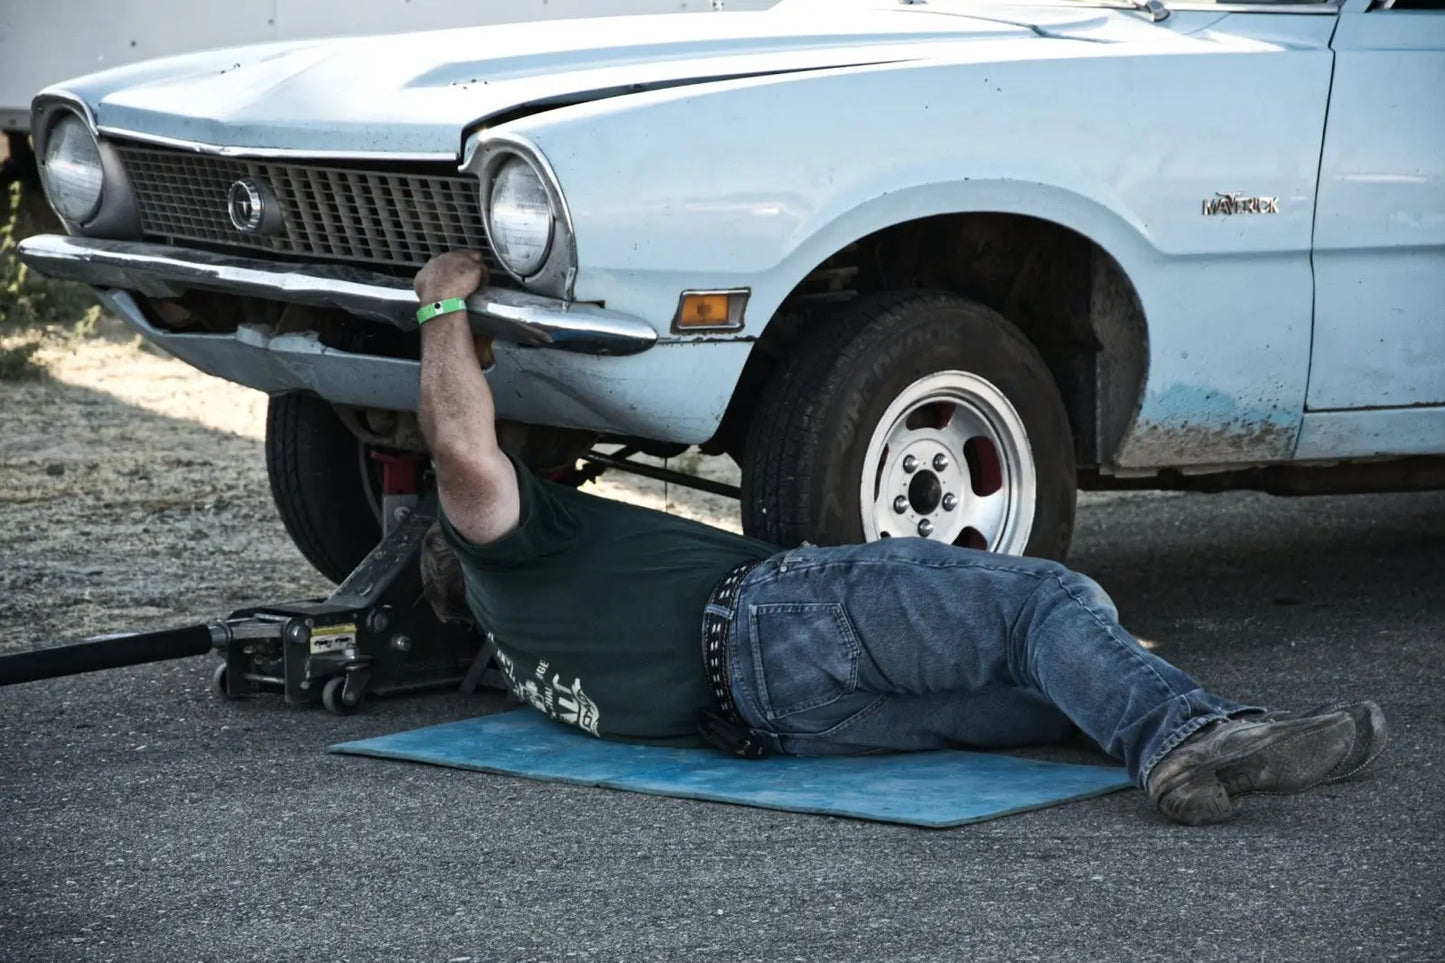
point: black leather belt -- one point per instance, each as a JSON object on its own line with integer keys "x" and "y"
{"x": 723, "y": 726}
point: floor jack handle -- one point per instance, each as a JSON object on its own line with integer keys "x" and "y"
{"x": 111, "y": 652}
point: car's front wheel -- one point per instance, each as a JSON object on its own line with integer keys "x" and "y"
{"x": 325, "y": 484}
{"x": 912, "y": 414}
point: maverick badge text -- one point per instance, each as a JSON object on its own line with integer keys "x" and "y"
{"x": 1239, "y": 204}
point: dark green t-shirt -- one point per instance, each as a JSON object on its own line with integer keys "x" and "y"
{"x": 596, "y": 607}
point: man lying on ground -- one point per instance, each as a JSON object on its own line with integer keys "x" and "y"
{"x": 597, "y": 608}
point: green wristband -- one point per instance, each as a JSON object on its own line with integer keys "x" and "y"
{"x": 445, "y": 306}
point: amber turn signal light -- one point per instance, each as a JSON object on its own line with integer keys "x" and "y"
{"x": 710, "y": 311}
{"x": 703, "y": 310}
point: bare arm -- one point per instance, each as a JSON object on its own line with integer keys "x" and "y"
{"x": 476, "y": 482}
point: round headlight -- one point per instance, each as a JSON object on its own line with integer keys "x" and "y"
{"x": 71, "y": 169}
{"x": 520, "y": 217}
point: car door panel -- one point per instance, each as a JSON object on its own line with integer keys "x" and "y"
{"x": 1379, "y": 248}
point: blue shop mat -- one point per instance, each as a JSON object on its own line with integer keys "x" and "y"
{"x": 931, "y": 789}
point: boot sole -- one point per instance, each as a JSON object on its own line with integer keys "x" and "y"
{"x": 1372, "y": 734}
{"x": 1287, "y": 766}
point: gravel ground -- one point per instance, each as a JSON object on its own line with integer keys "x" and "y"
{"x": 142, "y": 820}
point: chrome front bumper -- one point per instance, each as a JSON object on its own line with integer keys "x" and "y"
{"x": 162, "y": 271}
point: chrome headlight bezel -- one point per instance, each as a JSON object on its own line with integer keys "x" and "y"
{"x": 488, "y": 153}
{"x": 82, "y": 164}
{"x": 516, "y": 175}
{"x": 115, "y": 213}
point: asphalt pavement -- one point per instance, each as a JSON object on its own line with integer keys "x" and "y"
{"x": 141, "y": 819}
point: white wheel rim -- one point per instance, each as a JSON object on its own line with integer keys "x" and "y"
{"x": 950, "y": 460}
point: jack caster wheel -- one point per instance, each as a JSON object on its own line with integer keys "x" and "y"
{"x": 220, "y": 684}
{"x": 335, "y": 699}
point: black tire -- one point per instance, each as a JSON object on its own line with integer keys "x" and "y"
{"x": 323, "y": 484}
{"x": 810, "y": 433}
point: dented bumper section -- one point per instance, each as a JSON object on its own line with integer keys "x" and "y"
{"x": 162, "y": 271}
{"x": 255, "y": 356}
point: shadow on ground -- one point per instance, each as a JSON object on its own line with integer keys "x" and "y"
{"x": 112, "y": 517}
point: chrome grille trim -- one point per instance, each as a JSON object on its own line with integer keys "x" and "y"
{"x": 345, "y": 215}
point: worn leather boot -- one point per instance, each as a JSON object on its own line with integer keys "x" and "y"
{"x": 1371, "y": 733}
{"x": 1197, "y": 782}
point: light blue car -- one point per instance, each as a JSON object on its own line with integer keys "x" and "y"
{"x": 921, "y": 268}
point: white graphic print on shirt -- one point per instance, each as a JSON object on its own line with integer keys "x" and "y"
{"x": 567, "y": 704}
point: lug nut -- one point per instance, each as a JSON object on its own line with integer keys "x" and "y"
{"x": 925, "y": 528}
{"x": 940, "y": 462}
{"x": 900, "y": 504}
{"x": 950, "y": 502}
{"x": 910, "y": 464}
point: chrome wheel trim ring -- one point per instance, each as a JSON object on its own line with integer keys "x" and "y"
{"x": 982, "y": 440}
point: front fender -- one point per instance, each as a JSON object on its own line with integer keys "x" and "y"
{"x": 754, "y": 183}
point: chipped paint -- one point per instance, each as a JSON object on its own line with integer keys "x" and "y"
{"x": 1198, "y": 425}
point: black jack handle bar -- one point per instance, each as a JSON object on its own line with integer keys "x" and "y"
{"x": 126, "y": 648}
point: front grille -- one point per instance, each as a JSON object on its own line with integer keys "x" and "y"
{"x": 353, "y": 216}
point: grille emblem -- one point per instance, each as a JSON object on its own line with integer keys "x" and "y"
{"x": 252, "y": 207}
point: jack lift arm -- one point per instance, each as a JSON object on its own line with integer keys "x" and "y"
{"x": 375, "y": 634}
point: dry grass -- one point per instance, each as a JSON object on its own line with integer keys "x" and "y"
{"x": 34, "y": 311}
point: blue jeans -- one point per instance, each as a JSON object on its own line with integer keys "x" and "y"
{"x": 908, "y": 644}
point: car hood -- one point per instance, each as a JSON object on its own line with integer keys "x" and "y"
{"x": 414, "y": 94}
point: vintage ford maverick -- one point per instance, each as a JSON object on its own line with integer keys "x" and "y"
{"x": 922, "y": 268}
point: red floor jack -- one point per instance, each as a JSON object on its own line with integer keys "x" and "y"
{"x": 374, "y": 635}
